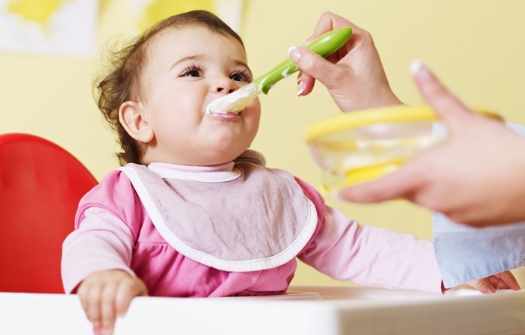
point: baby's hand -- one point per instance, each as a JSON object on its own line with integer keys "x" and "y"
{"x": 105, "y": 295}
{"x": 503, "y": 280}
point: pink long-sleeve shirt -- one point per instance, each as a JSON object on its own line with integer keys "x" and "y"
{"x": 114, "y": 231}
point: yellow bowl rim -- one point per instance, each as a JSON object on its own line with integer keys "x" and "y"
{"x": 391, "y": 114}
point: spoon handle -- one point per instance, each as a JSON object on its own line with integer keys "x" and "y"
{"x": 324, "y": 46}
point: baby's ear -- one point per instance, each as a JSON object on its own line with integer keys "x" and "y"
{"x": 132, "y": 118}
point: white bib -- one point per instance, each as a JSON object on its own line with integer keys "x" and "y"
{"x": 247, "y": 219}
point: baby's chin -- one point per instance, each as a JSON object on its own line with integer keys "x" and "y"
{"x": 224, "y": 154}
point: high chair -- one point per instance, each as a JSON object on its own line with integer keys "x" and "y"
{"x": 40, "y": 187}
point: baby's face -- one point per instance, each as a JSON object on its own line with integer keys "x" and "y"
{"x": 186, "y": 69}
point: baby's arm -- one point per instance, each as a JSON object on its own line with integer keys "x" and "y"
{"x": 95, "y": 265}
{"x": 371, "y": 256}
{"x": 101, "y": 242}
{"x": 345, "y": 250}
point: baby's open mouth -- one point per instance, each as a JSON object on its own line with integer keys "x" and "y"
{"x": 227, "y": 115}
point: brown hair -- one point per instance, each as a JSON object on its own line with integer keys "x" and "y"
{"x": 122, "y": 79}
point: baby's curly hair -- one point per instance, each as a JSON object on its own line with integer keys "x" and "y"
{"x": 121, "y": 81}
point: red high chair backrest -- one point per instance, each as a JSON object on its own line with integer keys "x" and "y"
{"x": 40, "y": 187}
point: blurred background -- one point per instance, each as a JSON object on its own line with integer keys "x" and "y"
{"x": 46, "y": 71}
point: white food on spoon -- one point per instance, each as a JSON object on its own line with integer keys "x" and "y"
{"x": 233, "y": 102}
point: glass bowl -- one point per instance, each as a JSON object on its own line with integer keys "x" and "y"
{"x": 361, "y": 146}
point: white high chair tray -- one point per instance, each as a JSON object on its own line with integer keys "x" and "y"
{"x": 305, "y": 310}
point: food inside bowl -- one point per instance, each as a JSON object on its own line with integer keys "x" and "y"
{"x": 361, "y": 146}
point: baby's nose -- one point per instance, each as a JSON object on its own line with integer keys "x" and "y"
{"x": 225, "y": 85}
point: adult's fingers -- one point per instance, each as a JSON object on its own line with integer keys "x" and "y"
{"x": 330, "y": 21}
{"x": 327, "y": 22}
{"x": 452, "y": 111}
{"x": 314, "y": 65}
{"x": 510, "y": 281}
{"x": 305, "y": 84}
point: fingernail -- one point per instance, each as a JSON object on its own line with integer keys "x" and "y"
{"x": 300, "y": 88}
{"x": 416, "y": 66}
{"x": 294, "y": 53}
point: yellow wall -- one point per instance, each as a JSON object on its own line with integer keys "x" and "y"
{"x": 475, "y": 46}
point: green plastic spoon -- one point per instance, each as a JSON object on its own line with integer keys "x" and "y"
{"x": 235, "y": 102}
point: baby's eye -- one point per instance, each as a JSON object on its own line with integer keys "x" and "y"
{"x": 241, "y": 76}
{"x": 192, "y": 71}
{"x": 192, "y": 74}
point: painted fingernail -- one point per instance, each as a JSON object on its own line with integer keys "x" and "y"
{"x": 299, "y": 80}
{"x": 416, "y": 66}
{"x": 420, "y": 70}
{"x": 300, "y": 88}
{"x": 294, "y": 53}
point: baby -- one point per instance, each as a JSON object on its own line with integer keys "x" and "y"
{"x": 193, "y": 213}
